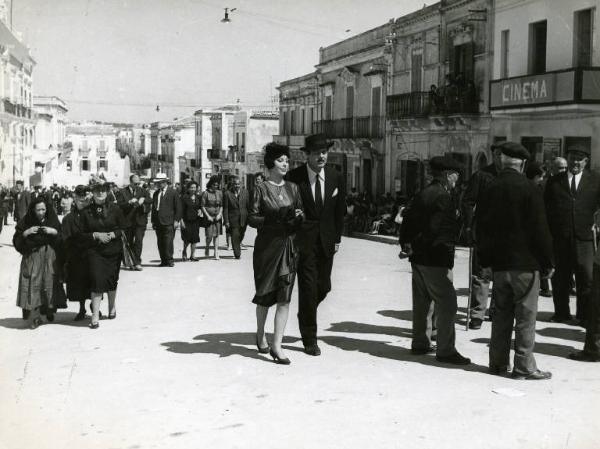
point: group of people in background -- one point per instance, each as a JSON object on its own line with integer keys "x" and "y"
{"x": 524, "y": 228}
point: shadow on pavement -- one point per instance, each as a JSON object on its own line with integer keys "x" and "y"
{"x": 223, "y": 345}
{"x": 363, "y": 328}
{"x": 14, "y": 323}
{"x": 405, "y": 315}
{"x": 564, "y": 333}
{"x": 384, "y": 350}
{"x": 552, "y": 349}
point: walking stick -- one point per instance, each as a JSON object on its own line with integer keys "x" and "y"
{"x": 470, "y": 287}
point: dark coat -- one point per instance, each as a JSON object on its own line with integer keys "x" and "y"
{"x": 572, "y": 217}
{"x": 190, "y": 208}
{"x": 431, "y": 227}
{"x": 326, "y": 227}
{"x": 477, "y": 185}
{"x": 135, "y": 214}
{"x": 22, "y": 201}
{"x": 512, "y": 230}
{"x": 235, "y": 208}
{"x": 170, "y": 208}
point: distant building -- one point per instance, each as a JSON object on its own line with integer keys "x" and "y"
{"x": 17, "y": 121}
{"x": 90, "y": 149}
{"x": 545, "y": 88}
{"x": 169, "y": 142}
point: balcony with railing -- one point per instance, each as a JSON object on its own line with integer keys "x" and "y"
{"x": 354, "y": 127}
{"x": 423, "y": 104}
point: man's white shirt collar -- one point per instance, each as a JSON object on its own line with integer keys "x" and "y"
{"x": 313, "y": 174}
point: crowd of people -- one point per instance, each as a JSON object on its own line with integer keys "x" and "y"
{"x": 524, "y": 229}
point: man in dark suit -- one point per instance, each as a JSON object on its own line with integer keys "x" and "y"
{"x": 22, "y": 201}
{"x": 572, "y": 198}
{"x": 166, "y": 213}
{"x": 323, "y": 192}
{"x": 428, "y": 235}
{"x": 477, "y": 185}
{"x": 235, "y": 214}
{"x": 135, "y": 203}
{"x": 515, "y": 247}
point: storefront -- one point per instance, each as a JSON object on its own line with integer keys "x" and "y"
{"x": 549, "y": 113}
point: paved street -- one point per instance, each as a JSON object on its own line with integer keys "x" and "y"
{"x": 178, "y": 369}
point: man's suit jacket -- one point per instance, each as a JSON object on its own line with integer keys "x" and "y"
{"x": 512, "y": 230}
{"x": 22, "y": 201}
{"x": 570, "y": 216}
{"x": 235, "y": 208}
{"x": 170, "y": 208}
{"x": 135, "y": 214}
{"x": 325, "y": 227}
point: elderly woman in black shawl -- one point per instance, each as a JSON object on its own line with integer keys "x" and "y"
{"x": 104, "y": 222}
{"x": 38, "y": 238}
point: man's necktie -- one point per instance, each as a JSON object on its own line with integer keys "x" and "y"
{"x": 160, "y": 195}
{"x": 573, "y": 186}
{"x": 318, "y": 194}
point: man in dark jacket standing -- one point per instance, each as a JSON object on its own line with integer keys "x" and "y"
{"x": 428, "y": 235}
{"x": 166, "y": 212}
{"x": 514, "y": 244}
{"x": 478, "y": 184}
{"x": 572, "y": 198}
{"x": 135, "y": 203}
{"x": 235, "y": 214}
{"x": 22, "y": 201}
{"x": 323, "y": 192}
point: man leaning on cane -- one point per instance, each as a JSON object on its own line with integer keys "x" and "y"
{"x": 515, "y": 247}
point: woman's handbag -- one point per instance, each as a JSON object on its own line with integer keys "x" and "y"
{"x": 399, "y": 218}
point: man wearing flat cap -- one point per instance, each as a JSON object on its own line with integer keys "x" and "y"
{"x": 166, "y": 211}
{"x": 572, "y": 198}
{"x": 323, "y": 192}
{"x": 515, "y": 249}
{"x": 428, "y": 235}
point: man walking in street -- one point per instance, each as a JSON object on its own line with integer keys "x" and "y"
{"x": 323, "y": 193}
{"x": 572, "y": 198}
{"x": 22, "y": 201}
{"x": 480, "y": 287}
{"x": 428, "y": 235}
{"x": 135, "y": 204}
{"x": 515, "y": 247}
{"x": 235, "y": 214}
{"x": 166, "y": 212}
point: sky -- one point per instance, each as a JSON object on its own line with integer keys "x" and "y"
{"x": 115, "y": 60}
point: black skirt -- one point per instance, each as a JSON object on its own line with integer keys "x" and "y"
{"x": 191, "y": 232}
{"x": 104, "y": 264}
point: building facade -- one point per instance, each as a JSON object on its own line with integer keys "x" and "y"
{"x": 17, "y": 122}
{"x": 437, "y": 99}
{"x": 545, "y": 88}
{"x": 90, "y": 150}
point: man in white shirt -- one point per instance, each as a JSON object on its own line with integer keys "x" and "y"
{"x": 572, "y": 198}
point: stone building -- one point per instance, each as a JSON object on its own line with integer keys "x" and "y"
{"x": 545, "y": 88}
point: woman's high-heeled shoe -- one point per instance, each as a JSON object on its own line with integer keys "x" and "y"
{"x": 279, "y": 360}
{"x": 264, "y": 350}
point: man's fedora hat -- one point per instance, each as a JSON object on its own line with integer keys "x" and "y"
{"x": 316, "y": 142}
{"x": 161, "y": 177}
{"x": 444, "y": 163}
{"x": 579, "y": 149}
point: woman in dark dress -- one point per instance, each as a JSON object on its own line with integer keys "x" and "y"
{"x": 76, "y": 245}
{"x": 276, "y": 212}
{"x": 190, "y": 221}
{"x": 38, "y": 238}
{"x": 104, "y": 222}
{"x": 212, "y": 208}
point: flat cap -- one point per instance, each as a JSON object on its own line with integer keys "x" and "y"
{"x": 444, "y": 163}
{"x": 514, "y": 150}
{"x": 81, "y": 190}
{"x": 579, "y": 149}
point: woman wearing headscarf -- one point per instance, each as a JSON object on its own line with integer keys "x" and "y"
{"x": 38, "y": 238}
{"x": 212, "y": 208}
{"x": 104, "y": 222}
{"x": 191, "y": 214}
{"x": 276, "y": 212}
{"x": 76, "y": 244}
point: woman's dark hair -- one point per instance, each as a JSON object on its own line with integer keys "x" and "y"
{"x": 259, "y": 174}
{"x": 273, "y": 151}
{"x": 189, "y": 184}
{"x": 212, "y": 181}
